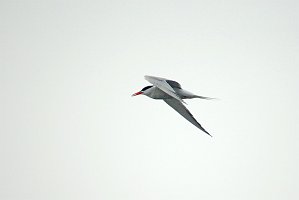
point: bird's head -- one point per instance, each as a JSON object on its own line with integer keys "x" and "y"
{"x": 144, "y": 91}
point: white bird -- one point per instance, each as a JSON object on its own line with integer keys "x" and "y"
{"x": 172, "y": 93}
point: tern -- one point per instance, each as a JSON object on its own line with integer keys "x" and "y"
{"x": 172, "y": 93}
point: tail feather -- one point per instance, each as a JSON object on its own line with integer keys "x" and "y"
{"x": 202, "y": 97}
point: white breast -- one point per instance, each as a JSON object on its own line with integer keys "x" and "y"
{"x": 156, "y": 93}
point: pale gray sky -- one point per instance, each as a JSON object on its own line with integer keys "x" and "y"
{"x": 70, "y": 129}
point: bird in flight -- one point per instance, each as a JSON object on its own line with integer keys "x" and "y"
{"x": 172, "y": 93}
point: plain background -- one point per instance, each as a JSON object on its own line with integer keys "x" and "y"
{"x": 70, "y": 129}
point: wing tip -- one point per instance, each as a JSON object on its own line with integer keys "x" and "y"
{"x": 206, "y": 132}
{"x": 147, "y": 76}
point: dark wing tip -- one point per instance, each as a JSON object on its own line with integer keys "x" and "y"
{"x": 206, "y": 131}
{"x": 174, "y": 84}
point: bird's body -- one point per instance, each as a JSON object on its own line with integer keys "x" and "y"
{"x": 172, "y": 93}
{"x": 156, "y": 93}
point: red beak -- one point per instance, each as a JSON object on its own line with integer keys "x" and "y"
{"x": 137, "y": 93}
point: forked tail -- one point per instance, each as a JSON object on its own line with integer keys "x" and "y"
{"x": 201, "y": 97}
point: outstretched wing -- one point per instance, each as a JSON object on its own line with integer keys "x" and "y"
{"x": 165, "y": 85}
{"x": 180, "y": 108}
